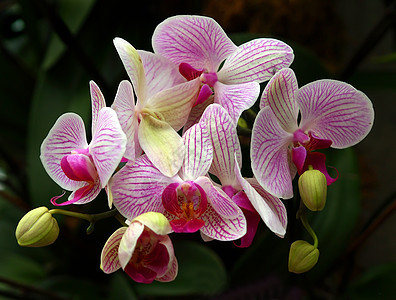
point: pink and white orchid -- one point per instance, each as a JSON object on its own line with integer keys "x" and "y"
{"x": 189, "y": 199}
{"x": 143, "y": 250}
{"x": 246, "y": 193}
{"x": 76, "y": 165}
{"x": 333, "y": 114}
{"x": 198, "y": 45}
{"x": 164, "y": 101}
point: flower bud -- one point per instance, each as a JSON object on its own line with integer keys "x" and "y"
{"x": 302, "y": 257}
{"x": 312, "y": 185}
{"x": 37, "y": 228}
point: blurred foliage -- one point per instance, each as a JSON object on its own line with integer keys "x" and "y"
{"x": 50, "y": 49}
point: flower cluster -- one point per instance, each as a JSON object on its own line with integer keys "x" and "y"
{"x": 168, "y": 154}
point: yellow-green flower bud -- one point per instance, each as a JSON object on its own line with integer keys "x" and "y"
{"x": 312, "y": 185}
{"x": 302, "y": 257}
{"x": 37, "y": 228}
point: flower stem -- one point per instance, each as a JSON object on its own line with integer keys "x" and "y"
{"x": 308, "y": 227}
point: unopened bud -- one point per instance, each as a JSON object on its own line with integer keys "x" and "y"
{"x": 37, "y": 228}
{"x": 302, "y": 257}
{"x": 312, "y": 185}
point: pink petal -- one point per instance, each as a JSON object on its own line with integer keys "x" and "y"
{"x": 97, "y": 102}
{"x": 109, "y": 261}
{"x": 174, "y": 104}
{"x": 160, "y": 72}
{"x": 158, "y": 259}
{"x": 82, "y": 195}
{"x": 252, "y": 218}
{"x": 236, "y": 98}
{"x": 171, "y": 274}
{"x": 335, "y": 111}
{"x": 318, "y": 161}
{"x": 66, "y": 135}
{"x": 218, "y": 199}
{"x": 137, "y": 188}
{"x": 124, "y": 106}
{"x": 257, "y": 60}
{"x": 133, "y": 66}
{"x": 162, "y": 145}
{"x": 223, "y": 229}
{"x": 199, "y": 152}
{"x": 196, "y": 40}
{"x": 269, "y": 154}
{"x": 280, "y": 96}
{"x": 196, "y": 113}
{"x": 225, "y": 143}
{"x": 108, "y": 144}
{"x": 140, "y": 273}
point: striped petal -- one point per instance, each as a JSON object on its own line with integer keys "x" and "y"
{"x": 160, "y": 72}
{"x": 280, "y": 96}
{"x": 97, "y": 102}
{"x": 271, "y": 210}
{"x": 199, "y": 152}
{"x": 109, "y": 261}
{"x": 133, "y": 66}
{"x": 257, "y": 60}
{"x": 161, "y": 143}
{"x": 174, "y": 104}
{"x": 137, "y": 188}
{"x": 108, "y": 144}
{"x": 173, "y": 265}
{"x": 124, "y": 106}
{"x": 66, "y": 135}
{"x": 336, "y": 111}
{"x": 128, "y": 242}
{"x": 236, "y": 98}
{"x": 196, "y": 40}
{"x": 196, "y": 113}
{"x": 225, "y": 143}
{"x": 269, "y": 154}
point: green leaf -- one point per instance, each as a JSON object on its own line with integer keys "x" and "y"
{"x": 121, "y": 287}
{"x": 376, "y": 283}
{"x": 201, "y": 272}
{"x": 21, "y": 268}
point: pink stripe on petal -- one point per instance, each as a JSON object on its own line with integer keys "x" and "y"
{"x": 225, "y": 143}
{"x": 199, "y": 152}
{"x": 218, "y": 199}
{"x": 257, "y": 60}
{"x": 223, "y": 229}
{"x": 336, "y": 111}
{"x": 109, "y": 261}
{"x": 124, "y": 106}
{"x": 269, "y": 154}
{"x": 236, "y": 98}
{"x": 196, "y": 40}
{"x": 280, "y": 95}
{"x": 97, "y": 102}
{"x": 66, "y": 135}
{"x": 108, "y": 144}
{"x": 160, "y": 72}
{"x": 137, "y": 188}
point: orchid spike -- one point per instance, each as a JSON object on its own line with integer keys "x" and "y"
{"x": 253, "y": 200}
{"x": 189, "y": 199}
{"x": 164, "y": 101}
{"x": 198, "y": 45}
{"x": 333, "y": 114}
{"x": 76, "y": 165}
{"x": 143, "y": 250}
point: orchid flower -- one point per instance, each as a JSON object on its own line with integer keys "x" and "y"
{"x": 189, "y": 199}
{"x": 198, "y": 45}
{"x": 143, "y": 250}
{"x": 76, "y": 165}
{"x": 246, "y": 193}
{"x": 333, "y": 114}
{"x": 164, "y": 101}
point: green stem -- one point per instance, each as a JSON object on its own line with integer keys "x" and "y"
{"x": 91, "y": 218}
{"x": 308, "y": 227}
